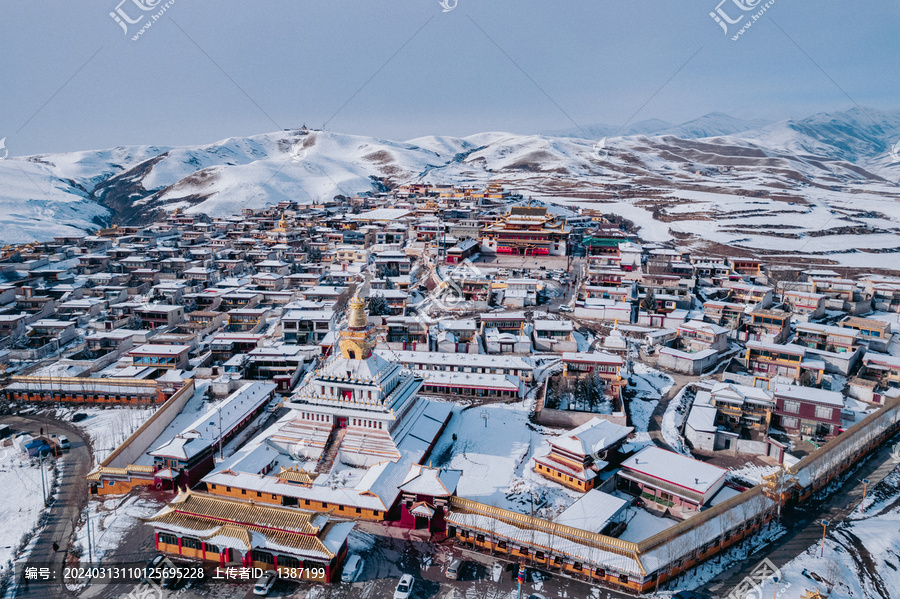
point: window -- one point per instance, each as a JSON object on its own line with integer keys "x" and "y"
{"x": 212, "y": 487}
{"x": 190, "y": 543}
{"x": 358, "y": 510}
{"x": 791, "y": 406}
{"x": 168, "y": 539}
{"x": 212, "y": 548}
{"x": 789, "y": 422}
{"x": 243, "y": 491}
{"x": 228, "y": 489}
{"x": 259, "y": 493}
{"x": 824, "y": 412}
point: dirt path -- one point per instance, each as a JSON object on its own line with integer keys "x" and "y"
{"x": 654, "y": 427}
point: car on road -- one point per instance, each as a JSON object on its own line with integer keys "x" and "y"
{"x": 79, "y": 417}
{"x": 265, "y": 583}
{"x": 352, "y": 567}
{"x": 63, "y": 442}
{"x": 404, "y": 587}
{"x": 454, "y": 568}
{"x": 566, "y": 308}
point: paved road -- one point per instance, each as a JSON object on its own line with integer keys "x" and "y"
{"x": 803, "y": 525}
{"x": 71, "y": 499}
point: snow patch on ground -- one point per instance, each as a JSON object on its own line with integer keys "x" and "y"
{"x": 110, "y": 520}
{"x": 21, "y": 504}
{"x": 494, "y": 448}
{"x": 107, "y": 427}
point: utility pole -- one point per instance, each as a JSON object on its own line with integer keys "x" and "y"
{"x": 90, "y": 547}
{"x": 43, "y": 485}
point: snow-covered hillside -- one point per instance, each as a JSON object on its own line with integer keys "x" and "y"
{"x": 823, "y": 186}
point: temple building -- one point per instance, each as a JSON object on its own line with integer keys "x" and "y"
{"x": 354, "y": 430}
{"x": 284, "y": 234}
{"x": 230, "y": 532}
{"x": 367, "y": 401}
{"x": 526, "y": 231}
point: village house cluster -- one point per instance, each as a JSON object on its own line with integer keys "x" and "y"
{"x": 352, "y": 327}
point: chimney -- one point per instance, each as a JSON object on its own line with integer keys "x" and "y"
{"x": 696, "y": 481}
{"x": 28, "y": 291}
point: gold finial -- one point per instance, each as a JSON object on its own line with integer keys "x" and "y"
{"x": 358, "y": 319}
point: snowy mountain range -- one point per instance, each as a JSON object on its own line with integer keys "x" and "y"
{"x": 717, "y": 158}
{"x": 710, "y": 125}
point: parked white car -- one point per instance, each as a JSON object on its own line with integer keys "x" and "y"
{"x": 404, "y": 587}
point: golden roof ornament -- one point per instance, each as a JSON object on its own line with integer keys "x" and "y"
{"x": 358, "y": 318}
{"x": 356, "y": 342}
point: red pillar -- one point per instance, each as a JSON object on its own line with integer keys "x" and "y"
{"x": 275, "y": 558}
{"x": 156, "y": 539}
{"x": 179, "y": 545}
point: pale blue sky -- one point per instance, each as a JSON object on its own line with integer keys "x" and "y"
{"x": 308, "y": 62}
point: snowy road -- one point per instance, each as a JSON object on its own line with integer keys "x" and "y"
{"x": 72, "y": 496}
{"x": 803, "y": 528}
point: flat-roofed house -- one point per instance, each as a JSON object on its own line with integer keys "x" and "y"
{"x": 826, "y": 337}
{"x": 160, "y": 315}
{"x": 768, "y": 362}
{"x": 875, "y": 333}
{"x": 812, "y": 305}
{"x": 160, "y": 356}
{"x": 554, "y": 336}
{"x": 669, "y": 481}
{"x": 808, "y": 411}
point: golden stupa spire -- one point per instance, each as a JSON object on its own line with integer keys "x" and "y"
{"x": 356, "y": 342}
{"x": 358, "y": 318}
